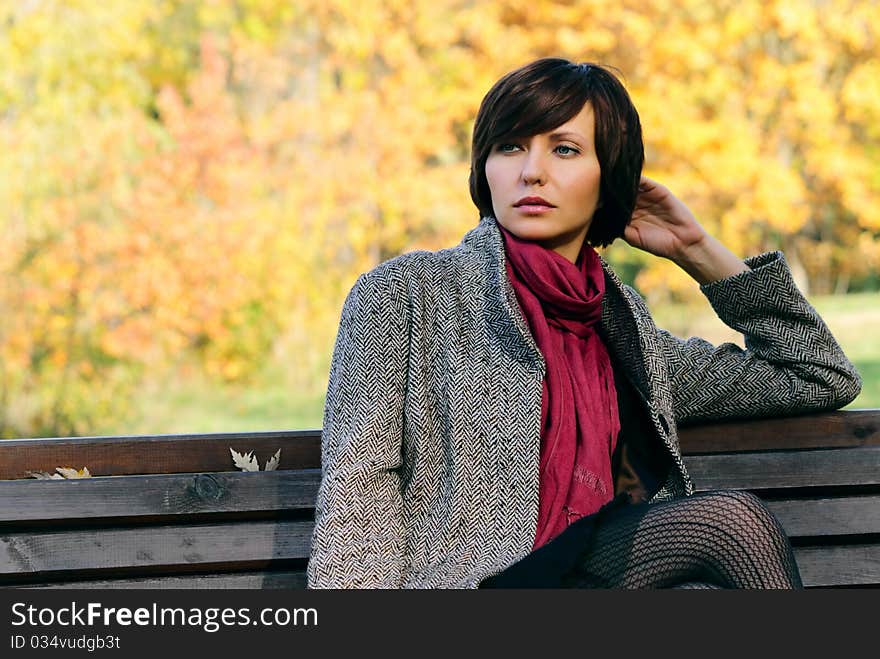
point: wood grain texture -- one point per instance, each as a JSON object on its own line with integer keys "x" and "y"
{"x": 164, "y": 454}
{"x": 168, "y": 496}
{"x": 856, "y": 565}
{"x": 233, "y": 580}
{"x": 827, "y": 516}
{"x": 137, "y": 558}
{"x": 828, "y": 429}
{"x": 153, "y": 549}
{"x": 819, "y": 567}
{"x": 808, "y": 468}
{"x": 300, "y": 449}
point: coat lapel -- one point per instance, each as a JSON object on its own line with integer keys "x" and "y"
{"x": 630, "y": 334}
{"x": 620, "y": 332}
{"x": 624, "y": 327}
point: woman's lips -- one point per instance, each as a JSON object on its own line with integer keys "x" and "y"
{"x": 533, "y": 205}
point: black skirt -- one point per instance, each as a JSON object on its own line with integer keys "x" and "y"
{"x": 556, "y": 564}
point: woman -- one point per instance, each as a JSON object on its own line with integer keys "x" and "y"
{"x": 504, "y": 412}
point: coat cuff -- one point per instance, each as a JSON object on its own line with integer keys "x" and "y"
{"x": 767, "y": 285}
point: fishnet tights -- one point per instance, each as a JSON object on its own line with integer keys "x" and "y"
{"x": 723, "y": 539}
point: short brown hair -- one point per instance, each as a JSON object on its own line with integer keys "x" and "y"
{"x": 543, "y": 95}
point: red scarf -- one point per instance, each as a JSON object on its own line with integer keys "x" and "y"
{"x": 562, "y": 302}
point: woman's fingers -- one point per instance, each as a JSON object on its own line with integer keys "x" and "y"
{"x": 647, "y": 183}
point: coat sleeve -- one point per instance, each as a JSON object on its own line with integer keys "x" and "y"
{"x": 791, "y": 363}
{"x": 358, "y": 539}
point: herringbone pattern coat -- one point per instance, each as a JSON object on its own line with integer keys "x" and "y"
{"x": 431, "y": 430}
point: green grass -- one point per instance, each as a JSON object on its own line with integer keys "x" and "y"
{"x": 853, "y": 319}
{"x": 855, "y": 322}
{"x": 196, "y": 405}
{"x": 272, "y": 403}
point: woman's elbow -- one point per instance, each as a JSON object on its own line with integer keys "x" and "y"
{"x": 842, "y": 388}
{"x": 850, "y": 388}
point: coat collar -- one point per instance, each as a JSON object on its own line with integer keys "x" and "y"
{"x": 627, "y": 339}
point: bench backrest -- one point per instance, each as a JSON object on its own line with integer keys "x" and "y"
{"x": 173, "y": 511}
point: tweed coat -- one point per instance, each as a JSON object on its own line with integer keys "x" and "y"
{"x": 431, "y": 429}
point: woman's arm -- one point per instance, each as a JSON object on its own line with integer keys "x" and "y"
{"x": 792, "y": 363}
{"x": 358, "y": 540}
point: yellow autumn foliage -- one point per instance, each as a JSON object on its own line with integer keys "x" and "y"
{"x": 197, "y": 185}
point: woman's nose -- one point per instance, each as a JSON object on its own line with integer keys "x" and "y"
{"x": 534, "y": 170}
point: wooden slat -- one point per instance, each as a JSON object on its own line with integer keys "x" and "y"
{"x": 819, "y": 566}
{"x": 826, "y": 430}
{"x": 162, "y": 454}
{"x": 852, "y": 466}
{"x": 166, "y": 454}
{"x": 233, "y": 580}
{"x": 152, "y": 549}
{"x": 168, "y": 495}
{"x": 816, "y": 517}
{"x": 848, "y": 565}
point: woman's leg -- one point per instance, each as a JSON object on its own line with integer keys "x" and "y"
{"x": 727, "y": 539}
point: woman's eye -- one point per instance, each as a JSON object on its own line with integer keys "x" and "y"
{"x": 564, "y": 150}
{"x": 507, "y": 147}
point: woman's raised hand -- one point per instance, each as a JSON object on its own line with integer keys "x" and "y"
{"x": 662, "y": 225}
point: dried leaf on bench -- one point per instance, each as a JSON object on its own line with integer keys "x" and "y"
{"x": 63, "y": 472}
{"x": 246, "y": 462}
{"x": 44, "y": 475}
{"x": 272, "y": 463}
{"x": 70, "y": 472}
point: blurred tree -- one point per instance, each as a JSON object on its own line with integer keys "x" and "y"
{"x": 198, "y": 184}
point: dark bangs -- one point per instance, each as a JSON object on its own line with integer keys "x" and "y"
{"x": 535, "y": 106}
{"x": 545, "y": 94}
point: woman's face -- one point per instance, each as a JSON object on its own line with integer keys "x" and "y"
{"x": 545, "y": 188}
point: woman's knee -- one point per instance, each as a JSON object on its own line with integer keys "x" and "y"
{"x": 740, "y": 510}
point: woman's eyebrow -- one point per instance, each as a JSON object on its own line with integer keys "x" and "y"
{"x": 566, "y": 135}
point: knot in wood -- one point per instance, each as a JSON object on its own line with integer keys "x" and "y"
{"x": 207, "y": 487}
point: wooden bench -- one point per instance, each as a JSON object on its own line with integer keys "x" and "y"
{"x": 174, "y": 512}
